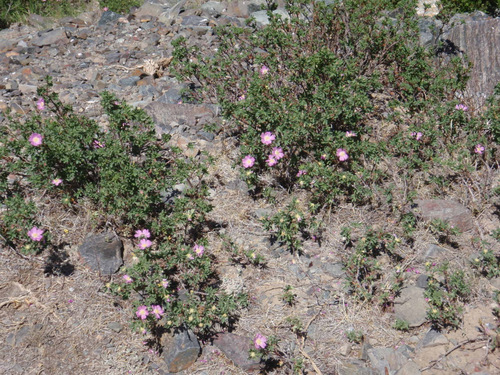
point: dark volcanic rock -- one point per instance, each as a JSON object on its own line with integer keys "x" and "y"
{"x": 236, "y": 348}
{"x": 103, "y": 252}
{"x": 180, "y": 351}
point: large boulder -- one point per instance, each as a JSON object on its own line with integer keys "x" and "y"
{"x": 477, "y": 36}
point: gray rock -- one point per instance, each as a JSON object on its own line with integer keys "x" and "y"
{"x": 262, "y": 19}
{"x": 434, "y": 251}
{"x": 172, "y": 96}
{"x": 479, "y": 39}
{"x": 7, "y": 44}
{"x": 11, "y": 85}
{"x": 355, "y": 367}
{"x": 452, "y": 212}
{"x": 57, "y": 36}
{"x": 386, "y": 358}
{"x": 422, "y": 281}
{"x": 150, "y": 8}
{"x": 207, "y": 136}
{"x": 108, "y": 18}
{"x": 168, "y": 116}
{"x": 103, "y": 252}
{"x": 429, "y": 31}
{"x": 433, "y": 338}
{"x": 333, "y": 269}
{"x": 168, "y": 16}
{"x": 129, "y": 81}
{"x": 180, "y": 351}
{"x": 411, "y": 306}
{"x": 406, "y": 350}
{"x": 147, "y": 91}
{"x": 226, "y": 20}
{"x": 409, "y": 368}
{"x": 213, "y": 8}
{"x": 115, "y": 326}
{"x": 39, "y": 22}
{"x": 243, "y": 9}
{"x": 260, "y": 213}
{"x": 345, "y": 349}
{"x": 200, "y": 31}
{"x": 236, "y": 348}
{"x": 194, "y": 21}
{"x": 364, "y": 350}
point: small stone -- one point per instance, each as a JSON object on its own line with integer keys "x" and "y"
{"x": 355, "y": 367}
{"x": 213, "y": 8}
{"x": 411, "y": 306}
{"x": 57, "y": 36}
{"x": 345, "y": 349}
{"x": 333, "y": 269}
{"x": 433, "y": 338}
{"x": 129, "y": 81}
{"x": 180, "y": 351}
{"x": 194, "y": 21}
{"x": 108, "y": 17}
{"x": 150, "y": 8}
{"x": 103, "y": 252}
{"x": 409, "y": 368}
{"x": 115, "y": 326}
{"x": 11, "y": 85}
{"x": 382, "y": 358}
{"x": 236, "y": 348}
{"x": 434, "y": 251}
{"x": 422, "y": 281}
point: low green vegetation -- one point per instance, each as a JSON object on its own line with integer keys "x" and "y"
{"x": 337, "y": 104}
{"x": 12, "y": 11}
{"x": 68, "y": 162}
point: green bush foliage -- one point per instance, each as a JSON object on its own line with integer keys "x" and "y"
{"x": 451, "y": 7}
{"x": 446, "y": 292}
{"x": 12, "y": 11}
{"x": 338, "y": 99}
{"x": 126, "y": 177}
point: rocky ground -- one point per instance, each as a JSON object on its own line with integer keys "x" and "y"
{"x": 55, "y": 317}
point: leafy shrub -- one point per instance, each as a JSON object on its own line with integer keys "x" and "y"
{"x": 355, "y": 336}
{"x": 12, "y": 11}
{"x": 445, "y": 292}
{"x": 289, "y": 296}
{"x": 487, "y": 262}
{"x": 401, "y": 325}
{"x": 126, "y": 176}
{"x": 120, "y": 6}
{"x": 287, "y": 224}
{"x": 449, "y": 7}
{"x": 312, "y": 97}
{"x": 364, "y": 275}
